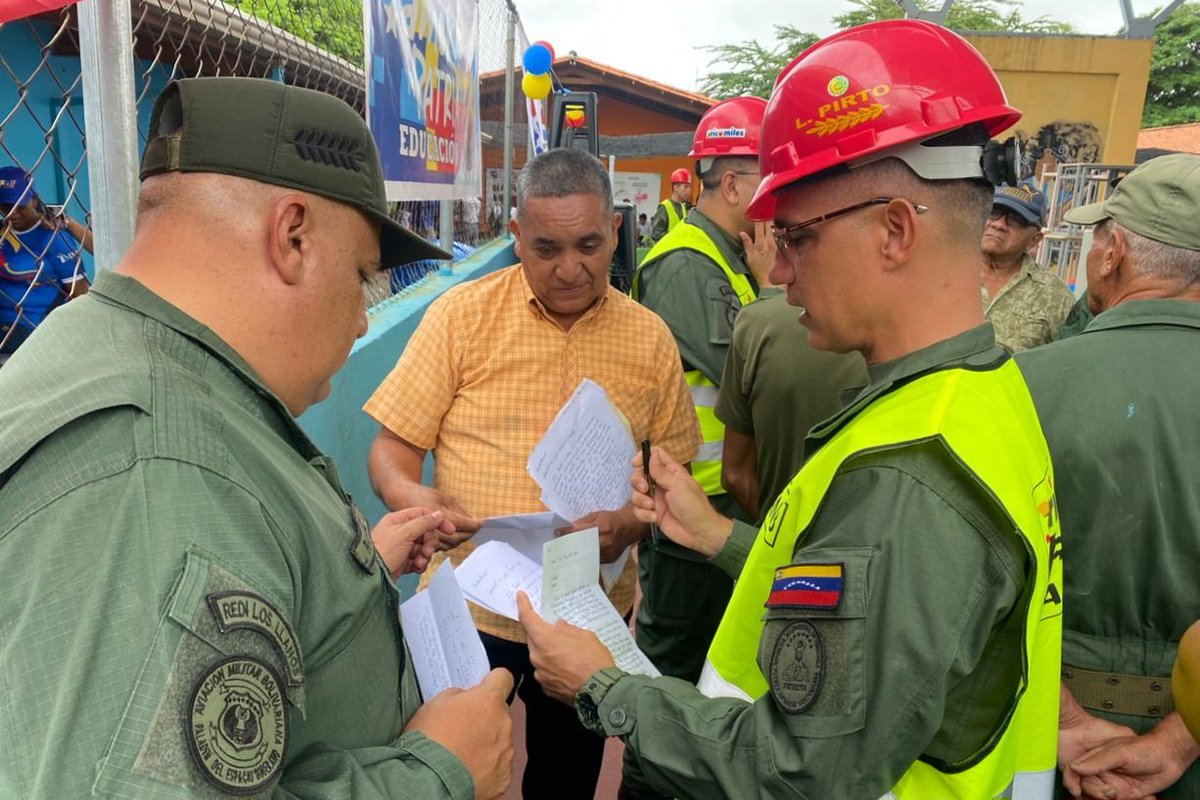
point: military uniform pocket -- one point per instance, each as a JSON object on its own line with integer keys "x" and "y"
{"x": 813, "y": 647}
{"x": 209, "y": 714}
{"x": 723, "y": 308}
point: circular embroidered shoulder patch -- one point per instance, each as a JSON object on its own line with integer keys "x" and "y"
{"x": 797, "y": 667}
{"x": 237, "y": 729}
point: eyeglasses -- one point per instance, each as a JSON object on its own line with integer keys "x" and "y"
{"x": 1011, "y": 218}
{"x": 786, "y": 237}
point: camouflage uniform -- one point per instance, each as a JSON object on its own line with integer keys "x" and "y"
{"x": 1029, "y": 309}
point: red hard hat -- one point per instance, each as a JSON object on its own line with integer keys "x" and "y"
{"x": 681, "y": 175}
{"x": 730, "y": 128}
{"x": 871, "y": 88}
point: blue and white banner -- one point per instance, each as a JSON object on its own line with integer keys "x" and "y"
{"x": 539, "y": 137}
{"x": 423, "y": 96}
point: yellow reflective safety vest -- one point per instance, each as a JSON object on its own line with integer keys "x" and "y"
{"x": 988, "y": 420}
{"x": 673, "y": 215}
{"x": 706, "y": 466}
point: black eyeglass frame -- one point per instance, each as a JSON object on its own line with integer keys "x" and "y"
{"x": 785, "y": 237}
{"x": 1012, "y": 219}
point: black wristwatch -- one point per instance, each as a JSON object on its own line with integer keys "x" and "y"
{"x": 591, "y": 695}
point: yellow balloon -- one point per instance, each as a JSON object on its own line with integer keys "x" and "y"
{"x": 536, "y": 87}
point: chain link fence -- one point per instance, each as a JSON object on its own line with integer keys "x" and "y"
{"x": 43, "y": 173}
{"x": 317, "y": 44}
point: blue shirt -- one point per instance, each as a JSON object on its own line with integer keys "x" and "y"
{"x": 53, "y": 251}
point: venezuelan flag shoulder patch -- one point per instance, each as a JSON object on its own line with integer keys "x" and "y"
{"x": 817, "y": 586}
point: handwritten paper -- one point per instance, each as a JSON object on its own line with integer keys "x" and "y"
{"x": 493, "y": 574}
{"x": 529, "y": 533}
{"x": 441, "y": 636}
{"x": 582, "y": 461}
{"x": 563, "y": 586}
{"x": 570, "y": 592}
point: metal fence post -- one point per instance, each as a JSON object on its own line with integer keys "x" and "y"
{"x": 509, "y": 86}
{"x": 446, "y": 232}
{"x": 110, "y": 119}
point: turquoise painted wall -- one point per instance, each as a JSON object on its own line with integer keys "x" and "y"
{"x": 339, "y": 426}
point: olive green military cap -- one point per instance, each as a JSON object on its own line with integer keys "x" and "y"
{"x": 1159, "y": 200}
{"x": 283, "y": 135}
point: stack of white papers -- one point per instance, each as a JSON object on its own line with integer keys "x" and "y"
{"x": 526, "y": 533}
{"x": 445, "y": 647}
{"x": 529, "y": 533}
{"x": 582, "y": 461}
{"x": 564, "y": 586}
{"x": 493, "y": 574}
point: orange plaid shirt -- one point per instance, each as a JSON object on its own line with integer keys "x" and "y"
{"x": 485, "y": 374}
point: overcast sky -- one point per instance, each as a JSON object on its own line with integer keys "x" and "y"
{"x": 660, "y": 38}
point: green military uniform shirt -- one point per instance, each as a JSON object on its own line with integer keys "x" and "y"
{"x": 1119, "y": 407}
{"x": 935, "y": 659}
{"x": 683, "y": 597}
{"x": 192, "y": 607}
{"x": 1077, "y": 319}
{"x": 693, "y": 296}
{"x": 660, "y": 223}
{"x": 776, "y": 386}
{"x": 1028, "y": 310}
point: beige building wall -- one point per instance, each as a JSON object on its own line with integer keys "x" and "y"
{"x": 1082, "y": 96}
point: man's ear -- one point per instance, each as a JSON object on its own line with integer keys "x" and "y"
{"x": 900, "y": 232}
{"x": 1034, "y": 242}
{"x": 729, "y": 187}
{"x": 1116, "y": 252}
{"x": 1102, "y": 287}
{"x": 616, "y": 227}
{"x": 289, "y": 241}
{"x": 515, "y": 229}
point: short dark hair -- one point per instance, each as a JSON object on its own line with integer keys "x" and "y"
{"x": 562, "y": 172}
{"x": 711, "y": 177}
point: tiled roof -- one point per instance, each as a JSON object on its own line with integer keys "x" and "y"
{"x": 1174, "y": 138}
{"x": 636, "y": 83}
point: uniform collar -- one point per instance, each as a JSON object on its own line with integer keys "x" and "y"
{"x": 1135, "y": 313}
{"x": 1026, "y": 271}
{"x": 975, "y": 348}
{"x": 535, "y": 305}
{"x": 129, "y": 293}
{"x": 1028, "y": 266}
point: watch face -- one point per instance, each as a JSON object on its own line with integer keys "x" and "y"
{"x": 589, "y": 714}
{"x": 588, "y": 699}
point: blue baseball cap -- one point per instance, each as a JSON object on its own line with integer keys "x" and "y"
{"x": 16, "y": 188}
{"x": 1028, "y": 202}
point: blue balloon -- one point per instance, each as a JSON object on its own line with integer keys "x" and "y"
{"x": 537, "y": 59}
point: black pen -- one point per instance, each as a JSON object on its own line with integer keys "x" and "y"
{"x": 649, "y": 480}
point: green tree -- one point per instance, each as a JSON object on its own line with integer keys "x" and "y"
{"x": 965, "y": 15}
{"x": 333, "y": 25}
{"x": 1173, "y": 91}
{"x": 751, "y": 68}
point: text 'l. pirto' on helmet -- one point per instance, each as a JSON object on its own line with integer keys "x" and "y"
{"x": 877, "y": 91}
